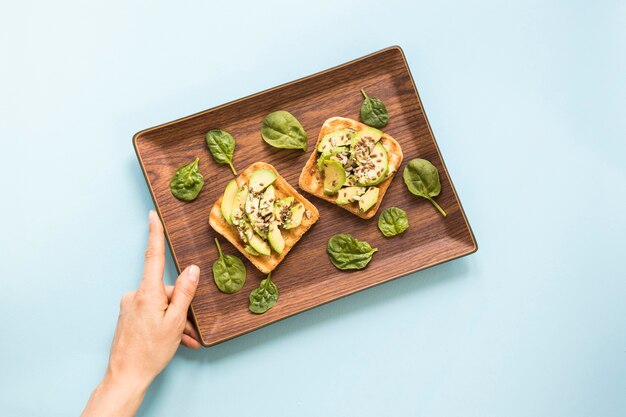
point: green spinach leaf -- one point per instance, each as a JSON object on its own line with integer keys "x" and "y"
{"x": 222, "y": 147}
{"x": 282, "y": 130}
{"x": 229, "y": 273}
{"x": 264, "y": 297}
{"x": 393, "y": 221}
{"x": 422, "y": 179}
{"x": 187, "y": 182}
{"x": 346, "y": 252}
{"x": 373, "y": 112}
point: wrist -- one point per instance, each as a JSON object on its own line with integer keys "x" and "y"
{"x": 117, "y": 395}
{"x": 131, "y": 384}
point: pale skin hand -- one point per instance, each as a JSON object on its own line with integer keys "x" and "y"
{"x": 151, "y": 326}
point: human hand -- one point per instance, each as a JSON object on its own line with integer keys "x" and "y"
{"x": 151, "y": 326}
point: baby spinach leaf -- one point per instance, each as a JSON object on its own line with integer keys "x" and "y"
{"x": 264, "y": 297}
{"x": 282, "y": 130}
{"x": 229, "y": 273}
{"x": 393, "y": 221}
{"x": 222, "y": 147}
{"x": 422, "y": 179}
{"x": 187, "y": 182}
{"x": 346, "y": 252}
{"x": 373, "y": 112}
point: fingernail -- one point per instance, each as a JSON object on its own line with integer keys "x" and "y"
{"x": 152, "y": 215}
{"x": 194, "y": 273}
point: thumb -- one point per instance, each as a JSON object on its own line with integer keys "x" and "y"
{"x": 184, "y": 290}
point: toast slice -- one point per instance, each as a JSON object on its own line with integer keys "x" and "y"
{"x": 265, "y": 264}
{"x": 311, "y": 179}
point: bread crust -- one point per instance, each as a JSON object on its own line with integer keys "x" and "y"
{"x": 265, "y": 264}
{"x": 312, "y": 182}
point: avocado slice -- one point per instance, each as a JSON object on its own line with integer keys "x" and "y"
{"x": 266, "y": 204}
{"x": 252, "y": 206}
{"x": 277, "y": 242}
{"x": 336, "y": 138}
{"x": 334, "y": 176}
{"x": 350, "y": 181}
{"x": 281, "y": 207}
{"x": 295, "y": 219}
{"x": 368, "y": 132}
{"x": 328, "y": 154}
{"x": 251, "y": 250}
{"x": 261, "y": 179}
{"x": 378, "y": 172}
{"x": 258, "y": 244}
{"x": 367, "y": 200}
{"x": 346, "y": 195}
{"x": 228, "y": 200}
{"x": 240, "y": 201}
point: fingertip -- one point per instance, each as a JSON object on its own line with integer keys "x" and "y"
{"x": 190, "y": 342}
{"x": 193, "y": 273}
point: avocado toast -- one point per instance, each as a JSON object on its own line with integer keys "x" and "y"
{"x": 352, "y": 166}
{"x": 262, "y": 215}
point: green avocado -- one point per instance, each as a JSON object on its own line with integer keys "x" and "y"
{"x": 297, "y": 211}
{"x": 328, "y": 154}
{"x": 228, "y": 200}
{"x": 277, "y": 242}
{"x": 258, "y": 244}
{"x": 251, "y": 250}
{"x": 378, "y": 172}
{"x": 261, "y": 179}
{"x": 240, "y": 201}
{"x": 333, "y": 139}
{"x": 334, "y": 176}
{"x": 368, "y": 132}
{"x": 346, "y": 195}
{"x": 266, "y": 204}
{"x": 367, "y": 200}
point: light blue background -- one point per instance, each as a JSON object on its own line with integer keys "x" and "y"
{"x": 527, "y": 102}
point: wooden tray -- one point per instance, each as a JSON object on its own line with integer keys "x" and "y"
{"x": 306, "y": 278}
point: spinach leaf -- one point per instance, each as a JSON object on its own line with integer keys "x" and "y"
{"x": 229, "y": 273}
{"x": 346, "y": 252}
{"x": 187, "y": 182}
{"x": 422, "y": 179}
{"x": 282, "y": 130}
{"x": 373, "y": 112}
{"x": 393, "y": 221}
{"x": 264, "y": 297}
{"x": 222, "y": 147}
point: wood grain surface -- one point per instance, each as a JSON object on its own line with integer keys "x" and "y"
{"x": 306, "y": 278}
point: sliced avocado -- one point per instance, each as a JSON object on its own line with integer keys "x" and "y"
{"x": 240, "y": 201}
{"x": 252, "y": 206}
{"x": 328, "y": 154}
{"x": 368, "y": 132}
{"x": 266, "y": 204}
{"x": 258, "y": 244}
{"x": 367, "y": 200}
{"x": 281, "y": 208}
{"x": 277, "y": 242}
{"x": 346, "y": 194}
{"x": 251, "y": 250}
{"x": 350, "y": 181}
{"x": 336, "y": 138}
{"x": 295, "y": 218}
{"x": 261, "y": 179}
{"x": 322, "y": 158}
{"x": 334, "y": 176}
{"x": 228, "y": 200}
{"x": 378, "y": 172}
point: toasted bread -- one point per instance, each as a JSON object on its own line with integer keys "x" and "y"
{"x": 265, "y": 264}
{"x": 312, "y": 182}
